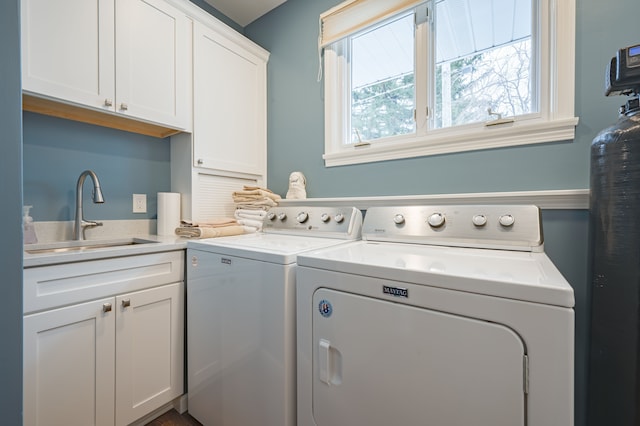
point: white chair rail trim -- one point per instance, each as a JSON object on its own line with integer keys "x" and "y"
{"x": 563, "y": 199}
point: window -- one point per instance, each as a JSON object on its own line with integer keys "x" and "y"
{"x": 407, "y": 78}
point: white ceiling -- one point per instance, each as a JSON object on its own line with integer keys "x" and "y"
{"x": 245, "y": 11}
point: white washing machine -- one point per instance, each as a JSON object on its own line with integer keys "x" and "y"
{"x": 441, "y": 315}
{"x": 241, "y": 294}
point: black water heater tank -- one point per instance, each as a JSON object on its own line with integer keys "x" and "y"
{"x": 614, "y": 363}
{"x": 614, "y": 373}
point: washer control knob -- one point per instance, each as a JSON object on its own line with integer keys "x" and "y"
{"x": 436, "y": 220}
{"x": 339, "y": 218}
{"x": 506, "y": 220}
{"x": 398, "y": 219}
{"x": 325, "y": 217}
{"x": 282, "y": 216}
{"x": 302, "y": 217}
{"x": 479, "y": 220}
{"x": 271, "y": 216}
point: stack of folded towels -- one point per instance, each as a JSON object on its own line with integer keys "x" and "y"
{"x": 221, "y": 227}
{"x": 252, "y": 204}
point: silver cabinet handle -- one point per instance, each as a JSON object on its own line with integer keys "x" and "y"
{"x": 106, "y": 307}
{"x": 124, "y": 106}
{"x": 126, "y": 303}
{"x": 108, "y": 102}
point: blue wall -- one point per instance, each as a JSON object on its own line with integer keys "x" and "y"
{"x": 10, "y": 213}
{"x": 296, "y": 140}
{"x": 56, "y": 151}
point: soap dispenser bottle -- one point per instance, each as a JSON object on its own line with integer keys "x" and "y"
{"x": 29, "y": 230}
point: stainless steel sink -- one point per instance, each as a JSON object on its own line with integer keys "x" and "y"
{"x": 79, "y": 246}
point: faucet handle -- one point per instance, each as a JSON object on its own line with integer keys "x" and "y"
{"x": 88, "y": 223}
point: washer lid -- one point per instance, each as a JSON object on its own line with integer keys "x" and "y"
{"x": 526, "y": 276}
{"x": 274, "y": 248}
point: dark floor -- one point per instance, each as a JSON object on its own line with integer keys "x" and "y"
{"x": 173, "y": 418}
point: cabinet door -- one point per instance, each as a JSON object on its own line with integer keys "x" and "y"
{"x": 69, "y": 365}
{"x": 149, "y": 350}
{"x": 68, "y": 50}
{"x": 152, "y": 62}
{"x": 229, "y": 123}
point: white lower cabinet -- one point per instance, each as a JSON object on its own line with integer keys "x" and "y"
{"x": 149, "y": 350}
{"x": 69, "y": 368}
{"x": 111, "y": 360}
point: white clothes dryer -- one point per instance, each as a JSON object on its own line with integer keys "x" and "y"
{"x": 241, "y": 294}
{"x": 441, "y": 315}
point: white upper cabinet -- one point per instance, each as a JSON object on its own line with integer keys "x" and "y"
{"x": 130, "y": 57}
{"x": 229, "y": 90}
{"x": 152, "y": 61}
{"x": 68, "y": 50}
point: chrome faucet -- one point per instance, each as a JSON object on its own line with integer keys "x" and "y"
{"x": 80, "y": 224}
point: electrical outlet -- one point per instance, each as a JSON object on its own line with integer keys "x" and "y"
{"x": 139, "y": 203}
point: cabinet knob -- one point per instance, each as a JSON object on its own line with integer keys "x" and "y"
{"x": 200, "y": 161}
{"x": 108, "y": 102}
{"x": 124, "y": 106}
{"x": 126, "y": 303}
{"x": 106, "y": 307}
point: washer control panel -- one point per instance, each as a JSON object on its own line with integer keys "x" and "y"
{"x": 511, "y": 227}
{"x": 331, "y": 222}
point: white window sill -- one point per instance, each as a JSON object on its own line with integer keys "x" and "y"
{"x": 506, "y": 135}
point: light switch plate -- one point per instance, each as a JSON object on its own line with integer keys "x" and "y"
{"x": 139, "y": 203}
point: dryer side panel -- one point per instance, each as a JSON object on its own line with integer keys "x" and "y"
{"x": 377, "y": 362}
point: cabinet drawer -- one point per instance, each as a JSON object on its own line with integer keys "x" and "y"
{"x": 59, "y": 285}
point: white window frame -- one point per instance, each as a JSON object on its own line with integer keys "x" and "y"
{"x": 555, "y": 120}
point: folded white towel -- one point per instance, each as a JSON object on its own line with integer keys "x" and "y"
{"x": 253, "y": 223}
{"x": 250, "y": 214}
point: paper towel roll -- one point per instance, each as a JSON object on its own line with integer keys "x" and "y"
{"x": 168, "y": 212}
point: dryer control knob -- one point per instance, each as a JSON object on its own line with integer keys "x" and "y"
{"x": 302, "y": 217}
{"x": 282, "y": 216}
{"x": 325, "y": 217}
{"x": 479, "y": 220}
{"x": 436, "y": 220}
{"x": 506, "y": 220}
{"x": 339, "y": 218}
{"x": 271, "y": 216}
{"x": 398, "y": 219}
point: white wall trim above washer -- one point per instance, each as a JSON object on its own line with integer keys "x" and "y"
{"x": 562, "y": 199}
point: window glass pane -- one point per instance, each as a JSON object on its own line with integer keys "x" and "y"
{"x": 483, "y": 60}
{"x": 382, "y": 81}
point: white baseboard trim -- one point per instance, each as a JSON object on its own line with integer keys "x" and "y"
{"x": 562, "y": 199}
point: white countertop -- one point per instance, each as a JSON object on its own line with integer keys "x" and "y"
{"x": 160, "y": 244}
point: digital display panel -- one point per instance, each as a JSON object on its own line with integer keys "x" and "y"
{"x": 634, "y": 50}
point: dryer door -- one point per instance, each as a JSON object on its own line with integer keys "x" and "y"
{"x": 383, "y": 363}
